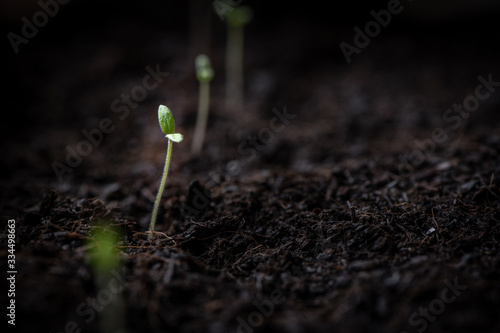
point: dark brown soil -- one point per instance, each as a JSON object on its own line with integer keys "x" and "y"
{"x": 320, "y": 226}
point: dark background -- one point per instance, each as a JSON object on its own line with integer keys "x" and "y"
{"x": 444, "y": 31}
{"x": 60, "y": 78}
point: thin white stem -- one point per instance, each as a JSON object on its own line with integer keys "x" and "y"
{"x": 201, "y": 120}
{"x": 160, "y": 190}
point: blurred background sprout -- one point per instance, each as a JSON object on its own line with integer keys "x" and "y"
{"x": 236, "y": 21}
{"x": 205, "y": 74}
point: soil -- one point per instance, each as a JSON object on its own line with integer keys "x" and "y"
{"x": 343, "y": 198}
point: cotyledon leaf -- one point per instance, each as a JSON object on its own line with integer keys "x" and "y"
{"x": 175, "y": 137}
{"x": 166, "y": 120}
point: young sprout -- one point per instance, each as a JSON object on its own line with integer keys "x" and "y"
{"x": 167, "y": 125}
{"x": 105, "y": 264}
{"x": 205, "y": 74}
{"x": 104, "y": 255}
{"x": 236, "y": 20}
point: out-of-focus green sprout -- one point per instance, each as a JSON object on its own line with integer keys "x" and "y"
{"x": 105, "y": 263}
{"x": 205, "y": 74}
{"x": 236, "y": 20}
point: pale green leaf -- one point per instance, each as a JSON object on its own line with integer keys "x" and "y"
{"x": 175, "y": 137}
{"x": 204, "y": 71}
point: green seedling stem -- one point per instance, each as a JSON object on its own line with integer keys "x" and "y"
{"x": 205, "y": 74}
{"x": 236, "y": 21}
{"x": 167, "y": 125}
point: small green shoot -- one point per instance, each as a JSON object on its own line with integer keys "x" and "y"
{"x": 236, "y": 21}
{"x": 103, "y": 258}
{"x": 105, "y": 263}
{"x": 167, "y": 125}
{"x": 205, "y": 74}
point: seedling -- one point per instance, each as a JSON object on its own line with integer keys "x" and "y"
{"x": 104, "y": 256}
{"x": 236, "y": 21}
{"x": 105, "y": 264}
{"x": 167, "y": 125}
{"x": 205, "y": 74}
